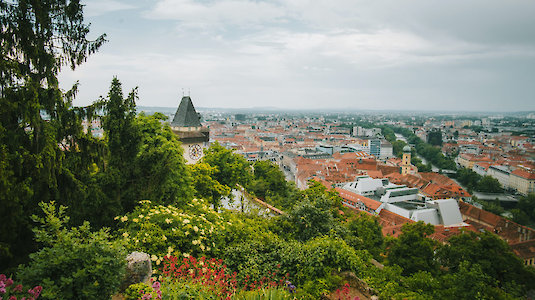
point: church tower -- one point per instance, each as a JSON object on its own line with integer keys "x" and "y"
{"x": 406, "y": 160}
{"x": 187, "y": 126}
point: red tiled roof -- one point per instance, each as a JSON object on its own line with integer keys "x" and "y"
{"x": 524, "y": 250}
{"x": 388, "y": 169}
{"x": 484, "y": 165}
{"x": 523, "y": 174}
{"x": 375, "y": 173}
{"x": 479, "y": 214}
{"x": 392, "y": 222}
{"x": 354, "y": 197}
{"x": 408, "y": 180}
{"x": 506, "y": 229}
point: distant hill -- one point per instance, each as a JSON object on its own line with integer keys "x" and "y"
{"x": 172, "y": 110}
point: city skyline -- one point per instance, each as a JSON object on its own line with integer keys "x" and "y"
{"x": 386, "y": 55}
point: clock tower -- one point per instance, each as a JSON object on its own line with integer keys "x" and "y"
{"x": 187, "y": 126}
{"x": 406, "y": 160}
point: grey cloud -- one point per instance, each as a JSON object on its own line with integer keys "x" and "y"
{"x": 392, "y": 54}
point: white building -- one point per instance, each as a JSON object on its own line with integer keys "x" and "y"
{"x": 387, "y": 151}
{"x": 407, "y": 202}
{"x": 479, "y": 169}
{"x": 501, "y": 173}
{"x": 366, "y": 132}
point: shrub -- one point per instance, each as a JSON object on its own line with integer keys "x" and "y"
{"x": 167, "y": 230}
{"x": 211, "y": 277}
{"x": 10, "y": 290}
{"x": 143, "y": 291}
{"x": 74, "y": 263}
{"x": 270, "y": 293}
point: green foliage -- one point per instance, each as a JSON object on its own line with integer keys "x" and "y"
{"x": 419, "y": 164}
{"x": 269, "y": 183}
{"x": 323, "y": 255}
{"x": 243, "y": 229}
{"x": 38, "y": 38}
{"x": 176, "y": 290}
{"x": 310, "y": 261}
{"x": 468, "y": 178}
{"x": 397, "y": 147}
{"x": 492, "y": 256}
{"x": 434, "y": 137}
{"x": 489, "y": 184}
{"x": 423, "y": 283}
{"x": 527, "y": 205}
{"x": 470, "y": 282}
{"x": 232, "y": 169}
{"x": 315, "y": 215}
{"x": 365, "y": 233}
{"x": 180, "y": 290}
{"x": 118, "y": 124}
{"x": 160, "y": 173}
{"x": 389, "y": 135}
{"x": 387, "y": 282}
{"x": 473, "y": 181}
{"x": 164, "y": 230}
{"x": 206, "y": 187}
{"x": 73, "y": 263}
{"x": 135, "y": 291}
{"x": 263, "y": 294}
{"x": 520, "y": 217}
{"x": 268, "y": 180}
{"x": 98, "y": 170}
{"x": 141, "y": 159}
{"x": 308, "y": 220}
{"x": 315, "y": 289}
{"x": 258, "y": 256}
{"x": 413, "y": 250}
{"x": 428, "y": 151}
{"x": 493, "y": 207}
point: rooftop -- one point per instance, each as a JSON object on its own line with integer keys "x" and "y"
{"x": 186, "y": 115}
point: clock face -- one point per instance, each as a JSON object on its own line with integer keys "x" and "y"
{"x": 195, "y": 152}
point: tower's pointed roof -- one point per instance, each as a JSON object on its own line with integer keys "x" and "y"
{"x": 186, "y": 115}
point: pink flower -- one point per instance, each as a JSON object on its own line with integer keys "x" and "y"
{"x": 36, "y": 291}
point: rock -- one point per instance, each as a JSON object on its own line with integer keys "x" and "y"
{"x": 138, "y": 269}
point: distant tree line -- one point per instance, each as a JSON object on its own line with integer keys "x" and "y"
{"x": 433, "y": 154}
{"x": 397, "y": 149}
{"x": 475, "y": 182}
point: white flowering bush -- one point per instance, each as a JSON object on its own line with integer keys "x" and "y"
{"x": 167, "y": 230}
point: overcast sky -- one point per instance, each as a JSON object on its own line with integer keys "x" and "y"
{"x": 311, "y": 54}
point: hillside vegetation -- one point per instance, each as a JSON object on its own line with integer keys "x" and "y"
{"x": 73, "y": 205}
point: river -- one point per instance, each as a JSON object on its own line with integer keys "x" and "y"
{"x": 433, "y": 167}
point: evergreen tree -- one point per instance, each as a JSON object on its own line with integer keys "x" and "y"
{"x": 38, "y": 38}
